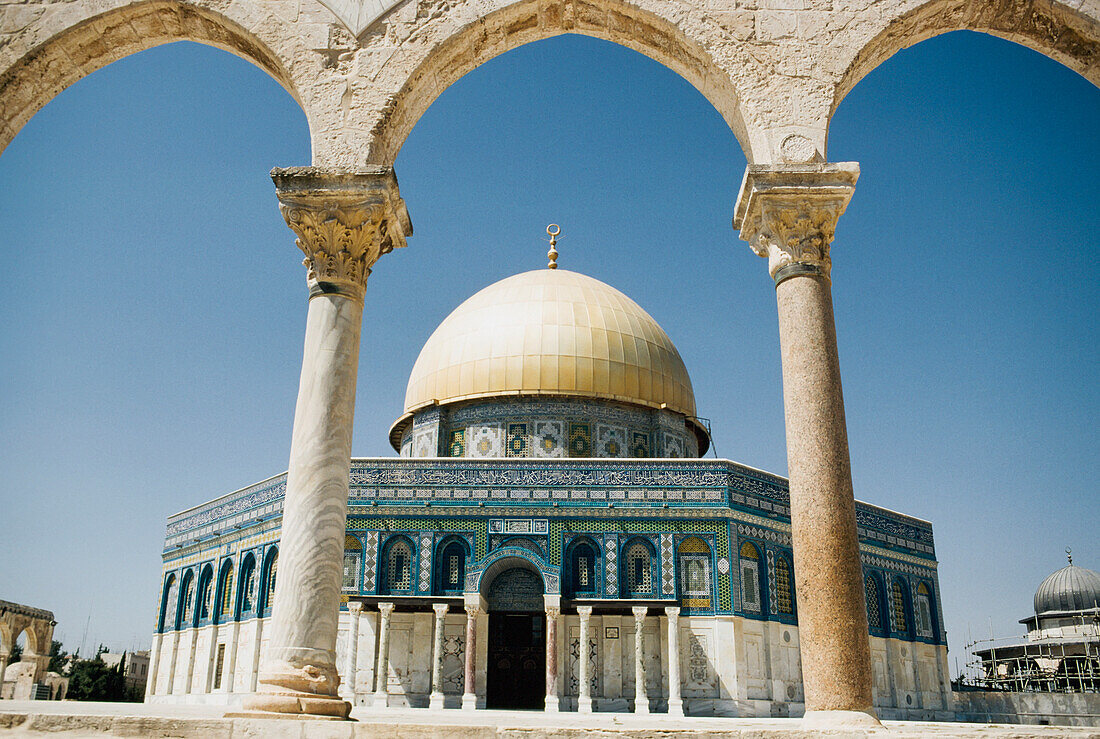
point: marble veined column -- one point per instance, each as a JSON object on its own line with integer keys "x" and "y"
{"x": 355, "y": 610}
{"x": 552, "y": 700}
{"x": 382, "y": 671}
{"x": 675, "y": 702}
{"x": 469, "y": 694}
{"x": 584, "y": 687}
{"x": 641, "y": 700}
{"x": 344, "y": 222}
{"x": 436, "y": 698}
{"x": 788, "y": 214}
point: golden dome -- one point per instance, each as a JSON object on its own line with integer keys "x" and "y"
{"x": 550, "y": 332}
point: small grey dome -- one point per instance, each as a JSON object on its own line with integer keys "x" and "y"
{"x": 1071, "y": 588}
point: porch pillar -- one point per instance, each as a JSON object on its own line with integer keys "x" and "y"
{"x": 675, "y": 702}
{"x": 552, "y": 701}
{"x": 469, "y": 694}
{"x": 641, "y": 700}
{"x": 436, "y": 699}
{"x": 788, "y": 214}
{"x": 584, "y": 687}
{"x": 382, "y": 672}
{"x": 355, "y": 611}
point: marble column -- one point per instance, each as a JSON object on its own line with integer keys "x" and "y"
{"x": 436, "y": 699}
{"x": 469, "y": 694}
{"x": 584, "y": 685}
{"x": 553, "y": 702}
{"x": 382, "y": 671}
{"x": 675, "y": 702}
{"x": 641, "y": 700}
{"x": 344, "y": 222}
{"x": 154, "y": 664}
{"x": 257, "y": 643}
{"x": 172, "y": 657}
{"x": 231, "y": 658}
{"x": 355, "y": 611}
{"x": 788, "y": 214}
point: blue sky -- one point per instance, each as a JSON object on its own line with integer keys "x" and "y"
{"x": 151, "y": 332}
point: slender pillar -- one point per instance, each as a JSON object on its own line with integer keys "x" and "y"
{"x": 231, "y": 659}
{"x": 788, "y": 214}
{"x": 641, "y": 700}
{"x": 436, "y": 699}
{"x": 552, "y": 700}
{"x": 584, "y": 687}
{"x": 154, "y": 664}
{"x": 469, "y": 694}
{"x": 355, "y": 610}
{"x": 344, "y": 223}
{"x": 172, "y": 656}
{"x": 257, "y": 642}
{"x": 675, "y": 702}
{"x": 382, "y": 672}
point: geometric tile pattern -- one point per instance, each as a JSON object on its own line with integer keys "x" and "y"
{"x": 611, "y": 557}
{"x": 425, "y": 561}
{"x": 668, "y": 573}
{"x": 610, "y": 441}
{"x": 370, "y": 570}
{"x": 580, "y": 440}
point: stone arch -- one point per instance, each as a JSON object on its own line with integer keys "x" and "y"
{"x": 1055, "y": 29}
{"x": 443, "y": 49}
{"x": 512, "y": 559}
{"x": 6, "y": 640}
{"x": 59, "y": 49}
{"x": 30, "y": 646}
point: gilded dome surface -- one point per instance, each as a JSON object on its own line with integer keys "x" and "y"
{"x": 1071, "y": 588}
{"x": 550, "y": 332}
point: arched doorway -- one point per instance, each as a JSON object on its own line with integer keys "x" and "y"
{"x": 516, "y": 675}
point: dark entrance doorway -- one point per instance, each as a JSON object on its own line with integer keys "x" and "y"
{"x": 517, "y": 643}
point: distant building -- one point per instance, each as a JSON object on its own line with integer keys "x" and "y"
{"x": 1061, "y": 652}
{"x": 135, "y": 668}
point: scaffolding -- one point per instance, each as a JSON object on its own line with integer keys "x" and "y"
{"x": 1067, "y": 662}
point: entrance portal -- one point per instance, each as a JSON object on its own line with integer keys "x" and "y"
{"x": 517, "y": 644}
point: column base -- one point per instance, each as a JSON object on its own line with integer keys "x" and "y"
{"x": 675, "y": 707}
{"x": 823, "y": 720}
{"x": 553, "y": 704}
{"x": 469, "y": 702}
{"x": 293, "y": 706}
{"x": 381, "y": 700}
{"x": 641, "y": 706}
{"x": 435, "y": 701}
{"x": 584, "y": 705}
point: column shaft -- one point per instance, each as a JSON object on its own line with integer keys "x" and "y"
{"x": 584, "y": 688}
{"x": 436, "y": 699}
{"x": 154, "y": 664}
{"x": 382, "y": 672}
{"x": 355, "y": 611}
{"x": 231, "y": 658}
{"x": 552, "y": 701}
{"x": 469, "y": 695}
{"x": 641, "y": 699}
{"x": 788, "y": 214}
{"x": 675, "y": 702}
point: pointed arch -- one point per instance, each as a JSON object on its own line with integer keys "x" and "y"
{"x": 398, "y": 565}
{"x": 451, "y": 558}
{"x": 223, "y": 603}
{"x": 583, "y": 567}
{"x": 167, "y": 603}
{"x": 186, "y": 604}
{"x": 246, "y": 586}
{"x": 639, "y": 569}
{"x": 267, "y": 582}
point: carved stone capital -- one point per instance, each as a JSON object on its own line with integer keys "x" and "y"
{"x": 345, "y": 221}
{"x": 640, "y": 613}
{"x": 788, "y": 214}
{"x": 552, "y": 612}
{"x": 355, "y": 607}
{"x": 385, "y": 609}
{"x": 440, "y": 609}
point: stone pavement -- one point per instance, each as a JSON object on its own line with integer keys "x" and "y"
{"x": 71, "y": 720}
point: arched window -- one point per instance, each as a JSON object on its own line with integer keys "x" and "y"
{"x": 897, "y": 608}
{"x": 225, "y": 592}
{"x": 784, "y": 590}
{"x": 206, "y": 593}
{"x": 638, "y": 562}
{"x": 187, "y": 601}
{"x": 353, "y": 558}
{"x": 695, "y": 580}
{"x": 451, "y": 568}
{"x": 168, "y": 604}
{"x": 398, "y": 565}
{"x": 750, "y": 578}
{"x": 874, "y": 602}
{"x": 924, "y": 611}
{"x": 267, "y": 581}
{"x": 582, "y": 569}
{"x": 246, "y": 598}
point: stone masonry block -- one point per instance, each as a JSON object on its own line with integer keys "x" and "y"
{"x": 775, "y": 25}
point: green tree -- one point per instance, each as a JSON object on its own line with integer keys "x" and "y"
{"x": 16, "y": 654}
{"x": 58, "y": 657}
{"x": 93, "y": 680}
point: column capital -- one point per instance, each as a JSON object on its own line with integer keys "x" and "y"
{"x": 584, "y": 611}
{"x": 553, "y": 611}
{"x": 639, "y": 612}
{"x": 473, "y": 611}
{"x": 345, "y": 221}
{"x": 440, "y": 609}
{"x": 355, "y": 607}
{"x": 385, "y": 609}
{"x": 672, "y": 611}
{"x": 788, "y": 213}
